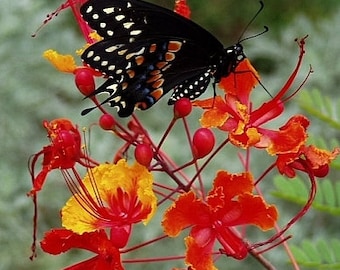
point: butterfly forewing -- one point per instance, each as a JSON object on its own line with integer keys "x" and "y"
{"x": 147, "y": 51}
{"x": 135, "y": 19}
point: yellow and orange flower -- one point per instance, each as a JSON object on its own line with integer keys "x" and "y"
{"x": 111, "y": 196}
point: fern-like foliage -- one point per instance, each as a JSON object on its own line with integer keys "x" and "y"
{"x": 296, "y": 190}
{"x": 318, "y": 255}
{"x": 321, "y": 106}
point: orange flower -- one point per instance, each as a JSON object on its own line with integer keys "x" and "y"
{"x": 63, "y": 152}
{"x": 58, "y": 241}
{"x": 230, "y": 203}
{"x": 244, "y": 125}
{"x": 111, "y": 196}
{"x": 309, "y": 159}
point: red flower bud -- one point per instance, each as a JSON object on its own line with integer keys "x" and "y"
{"x": 143, "y": 154}
{"x": 203, "y": 142}
{"x": 84, "y": 81}
{"x": 107, "y": 122}
{"x": 182, "y": 107}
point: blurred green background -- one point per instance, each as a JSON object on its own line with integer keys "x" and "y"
{"x": 31, "y": 90}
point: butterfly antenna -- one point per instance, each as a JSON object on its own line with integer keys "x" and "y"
{"x": 250, "y": 22}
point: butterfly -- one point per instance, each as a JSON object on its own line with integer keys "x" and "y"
{"x": 148, "y": 50}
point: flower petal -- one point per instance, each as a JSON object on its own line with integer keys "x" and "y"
{"x": 186, "y": 210}
{"x": 289, "y": 138}
{"x": 198, "y": 258}
{"x": 112, "y": 195}
{"x": 64, "y": 63}
{"x": 241, "y": 82}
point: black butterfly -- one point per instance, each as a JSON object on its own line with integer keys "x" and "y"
{"x": 148, "y": 50}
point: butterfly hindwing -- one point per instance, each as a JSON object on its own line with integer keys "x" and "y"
{"x": 141, "y": 73}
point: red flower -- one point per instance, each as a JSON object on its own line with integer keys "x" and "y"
{"x": 229, "y": 203}
{"x": 63, "y": 152}
{"x": 244, "y": 125}
{"x": 58, "y": 241}
{"x": 309, "y": 159}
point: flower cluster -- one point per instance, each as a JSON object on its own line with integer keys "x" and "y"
{"x": 208, "y": 213}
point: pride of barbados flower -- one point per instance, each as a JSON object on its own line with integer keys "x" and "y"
{"x": 111, "y": 196}
{"x": 230, "y": 203}
{"x": 63, "y": 152}
{"x": 100, "y": 214}
{"x": 57, "y": 241}
{"x": 244, "y": 124}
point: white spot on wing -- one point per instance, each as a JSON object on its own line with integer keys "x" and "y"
{"x": 135, "y": 32}
{"x": 109, "y": 10}
{"x": 119, "y": 17}
{"x": 90, "y": 54}
{"x": 89, "y": 9}
{"x": 128, "y": 25}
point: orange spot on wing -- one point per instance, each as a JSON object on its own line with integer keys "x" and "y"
{"x": 169, "y": 56}
{"x": 158, "y": 83}
{"x": 154, "y": 78}
{"x": 157, "y": 94}
{"x": 174, "y": 46}
{"x": 139, "y": 60}
{"x": 155, "y": 72}
{"x": 131, "y": 73}
{"x": 141, "y": 105}
{"x": 161, "y": 65}
{"x": 152, "y": 48}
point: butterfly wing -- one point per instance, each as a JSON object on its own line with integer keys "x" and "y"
{"x": 147, "y": 51}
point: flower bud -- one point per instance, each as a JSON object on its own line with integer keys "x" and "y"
{"x": 107, "y": 122}
{"x": 84, "y": 81}
{"x": 143, "y": 154}
{"x": 182, "y": 107}
{"x": 203, "y": 142}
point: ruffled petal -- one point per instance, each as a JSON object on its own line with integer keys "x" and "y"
{"x": 186, "y": 210}
{"x": 197, "y": 257}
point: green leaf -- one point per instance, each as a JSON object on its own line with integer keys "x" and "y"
{"x": 320, "y": 106}
{"x": 297, "y": 191}
{"x": 311, "y": 251}
{"x": 327, "y": 190}
{"x": 322, "y": 254}
{"x": 335, "y": 245}
{"x": 325, "y": 251}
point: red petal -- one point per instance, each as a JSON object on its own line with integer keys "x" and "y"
{"x": 197, "y": 257}
{"x": 231, "y": 184}
{"x": 289, "y": 138}
{"x": 186, "y": 211}
{"x": 241, "y": 82}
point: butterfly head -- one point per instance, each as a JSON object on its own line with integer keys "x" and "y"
{"x": 229, "y": 60}
{"x": 235, "y": 55}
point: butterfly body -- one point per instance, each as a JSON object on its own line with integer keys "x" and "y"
{"x": 148, "y": 51}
